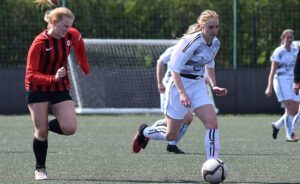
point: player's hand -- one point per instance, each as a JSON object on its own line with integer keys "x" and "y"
{"x": 61, "y": 72}
{"x": 161, "y": 87}
{"x": 219, "y": 91}
{"x": 296, "y": 88}
{"x": 185, "y": 100}
{"x": 268, "y": 91}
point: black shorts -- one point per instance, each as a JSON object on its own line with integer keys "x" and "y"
{"x": 47, "y": 96}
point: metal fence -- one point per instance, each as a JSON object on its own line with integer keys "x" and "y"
{"x": 258, "y": 25}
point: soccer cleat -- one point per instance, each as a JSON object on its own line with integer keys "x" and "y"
{"x": 41, "y": 174}
{"x": 275, "y": 131}
{"x": 174, "y": 149}
{"x": 139, "y": 141}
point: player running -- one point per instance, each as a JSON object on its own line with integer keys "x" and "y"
{"x": 47, "y": 81}
{"x": 186, "y": 91}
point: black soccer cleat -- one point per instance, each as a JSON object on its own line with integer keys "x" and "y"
{"x": 140, "y": 141}
{"x": 275, "y": 131}
{"x": 174, "y": 149}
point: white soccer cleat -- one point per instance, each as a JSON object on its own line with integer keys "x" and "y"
{"x": 41, "y": 174}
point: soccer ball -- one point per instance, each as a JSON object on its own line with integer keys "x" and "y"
{"x": 214, "y": 171}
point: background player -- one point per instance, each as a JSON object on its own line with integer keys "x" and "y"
{"x": 47, "y": 81}
{"x": 281, "y": 78}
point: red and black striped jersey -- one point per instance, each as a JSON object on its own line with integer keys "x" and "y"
{"x": 47, "y": 54}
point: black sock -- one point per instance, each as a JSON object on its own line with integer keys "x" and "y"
{"x": 54, "y": 127}
{"x": 40, "y": 153}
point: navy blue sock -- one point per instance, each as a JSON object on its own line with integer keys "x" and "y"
{"x": 54, "y": 127}
{"x": 40, "y": 153}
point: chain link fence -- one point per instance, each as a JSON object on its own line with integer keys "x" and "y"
{"x": 259, "y": 25}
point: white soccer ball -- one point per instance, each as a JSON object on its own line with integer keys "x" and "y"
{"x": 214, "y": 171}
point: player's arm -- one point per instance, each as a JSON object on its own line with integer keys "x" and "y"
{"x": 33, "y": 62}
{"x": 160, "y": 69}
{"x": 80, "y": 50}
{"x": 181, "y": 90}
{"x": 211, "y": 76}
{"x": 273, "y": 69}
{"x": 181, "y": 54}
{"x": 297, "y": 74}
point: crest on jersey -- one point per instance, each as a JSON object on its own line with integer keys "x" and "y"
{"x": 68, "y": 43}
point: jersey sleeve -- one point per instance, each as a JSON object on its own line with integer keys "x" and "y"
{"x": 182, "y": 52}
{"x": 165, "y": 57}
{"x": 80, "y": 50}
{"x": 276, "y": 56}
{"x": 33, "y": 62}
{"x": 297, "y": 69}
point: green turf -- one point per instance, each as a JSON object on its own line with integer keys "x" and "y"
{"x": 100, "y": 152}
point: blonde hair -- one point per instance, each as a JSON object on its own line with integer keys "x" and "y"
{"x": 55, "y": 14}
{"x": 43, "y": 3}
{"x": 284, "y": 33}
{"x": 205, "y": 16}
{"x": 193, "y": 28}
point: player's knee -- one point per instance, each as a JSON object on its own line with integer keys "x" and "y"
{"x": 211, "y": 124}
{"x": 69, "y": 128}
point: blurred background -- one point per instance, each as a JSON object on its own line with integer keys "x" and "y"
{"x": 249, "y": 32}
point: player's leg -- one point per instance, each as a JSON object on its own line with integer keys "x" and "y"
{"x": 294, "y": 106}
{"x": 39, "y": 115}
{"x": 207, "y": 115}
{"x": 290, "y": 111}
{"x": 277, "y": 125}
{"x": 173, "y": 108}
{"x": 65, "y": 122}
{"x": 172, "y": 145}
{"x": 65, "y": 116}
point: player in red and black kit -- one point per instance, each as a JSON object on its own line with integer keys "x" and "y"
{"x": 47, "y": 81}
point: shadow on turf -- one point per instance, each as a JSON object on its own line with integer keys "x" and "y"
{"x": 18, "y": 152}
{"x": 241, "y": 154}
{"x": 165, "y": 181}
{"x": 123, "y": 181}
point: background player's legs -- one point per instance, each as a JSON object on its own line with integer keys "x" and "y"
{"x": 172, "y": 145}
{"x": 277, "y": 125}
{"x": 291, "y": 108}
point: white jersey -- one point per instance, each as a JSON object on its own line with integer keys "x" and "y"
{"x": 165, "y": 58}
{"x": 286, "y": 61}
{"x": 191, "y": 54}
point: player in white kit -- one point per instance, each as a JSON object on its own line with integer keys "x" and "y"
{"x": 281, "y": 79}
{"x": 161, "y": 83}
{"x": 186, "y": 91}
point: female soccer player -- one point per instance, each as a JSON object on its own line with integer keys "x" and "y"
{"x": 281, "y": 78}
{"x": 186, "y": 90}
{"x": 47, "y": 81}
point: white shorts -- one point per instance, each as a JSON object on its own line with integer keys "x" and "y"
{"x": 196, "y": 91}
{"x": 284, "y": 89}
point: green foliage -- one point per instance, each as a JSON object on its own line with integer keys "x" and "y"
{"x": 260, "y": 23}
